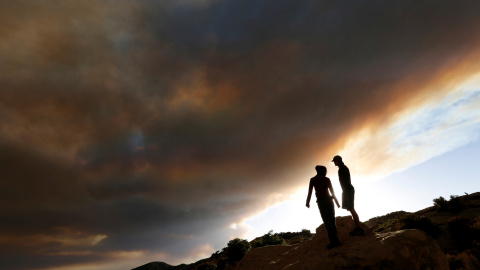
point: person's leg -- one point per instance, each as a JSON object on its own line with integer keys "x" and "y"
{"x": 358, "y": 231}
{"x": 327, "y": 211}
{"x": 355, "y": 217}
{"x": 348, "y": 203}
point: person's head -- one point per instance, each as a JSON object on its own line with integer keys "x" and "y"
{"x": 321, "y": 170}
{"x": 337, "y": 160}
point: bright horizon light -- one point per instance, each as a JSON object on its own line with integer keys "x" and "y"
{"x": 452, "y": 121}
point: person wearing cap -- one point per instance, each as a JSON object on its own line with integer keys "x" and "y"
{"x": 322, "y": 186}
{"x": 348, "y": 194}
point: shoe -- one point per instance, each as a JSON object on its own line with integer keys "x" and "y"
{"x": 357, "y": 232}
{"x": 334, "y": 244}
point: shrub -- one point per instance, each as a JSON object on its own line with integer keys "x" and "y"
{"x": 306, "y": 233}
{"x": 440, "y": 203}
{"x": 237, "y": 248}
{"x": 288, "y": 235}
{"x": 216, "y": 254}
{"x": 412, "y": 221}
{"x": 386, "y": 225}
{"x": 454, "y": 205}
{"x": 269, "y": 239}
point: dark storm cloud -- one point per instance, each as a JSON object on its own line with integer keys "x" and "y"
{"x": 155, "y": 123}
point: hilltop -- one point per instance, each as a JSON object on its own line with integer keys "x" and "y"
{"x": 445, "y": 235}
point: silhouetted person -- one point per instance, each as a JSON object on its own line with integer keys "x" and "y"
{"x": 348, "y": 194}
{"x": 322, "y": 185}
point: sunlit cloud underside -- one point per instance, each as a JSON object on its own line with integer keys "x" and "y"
{"x": 435, "y": 127}
{"x": 440, "y": 125}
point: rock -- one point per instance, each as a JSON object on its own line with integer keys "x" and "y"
{"x": 406, "y": 249}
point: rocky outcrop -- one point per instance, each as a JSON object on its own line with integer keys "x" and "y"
{"x": 405, "y": 249}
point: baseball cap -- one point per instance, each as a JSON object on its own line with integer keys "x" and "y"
{"x": 337, "y": 158}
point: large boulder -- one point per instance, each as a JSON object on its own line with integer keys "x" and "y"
{"x": 405, "y": 249}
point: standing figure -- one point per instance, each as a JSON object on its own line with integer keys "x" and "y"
{"x": 348, "y": 194}
{"x": 322, "y": 185}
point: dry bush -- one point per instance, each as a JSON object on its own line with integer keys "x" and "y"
{"x": 410, "y": 221}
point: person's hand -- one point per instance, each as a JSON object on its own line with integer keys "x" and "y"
{"x": 308, "y": 205}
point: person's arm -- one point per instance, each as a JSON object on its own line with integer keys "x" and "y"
{"x": 333, "y": 194}
{"x": 310, "y": 187}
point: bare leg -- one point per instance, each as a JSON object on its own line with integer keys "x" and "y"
{"x": 355, "y": 217}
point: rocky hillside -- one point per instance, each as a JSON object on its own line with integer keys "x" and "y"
{"x": 446, "y": 235}
{"x": 405, "y": 249}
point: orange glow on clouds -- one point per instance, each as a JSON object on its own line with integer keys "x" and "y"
{"x": 444, "y": 122}
{"x": 178, "y": 119}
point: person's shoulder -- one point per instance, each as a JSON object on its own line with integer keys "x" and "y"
{"x": 344, "y": 167}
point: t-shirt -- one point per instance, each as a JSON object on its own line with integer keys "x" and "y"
{"x": 344, "y": 177}
{"x": 321, "y": 185}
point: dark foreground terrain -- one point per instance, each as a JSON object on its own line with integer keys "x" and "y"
{"x": 452, "y": 224}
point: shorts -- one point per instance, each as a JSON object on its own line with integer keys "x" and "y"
{"x": 348, "y": 197}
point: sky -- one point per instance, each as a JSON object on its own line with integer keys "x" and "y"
{"x": 139, "y": 131}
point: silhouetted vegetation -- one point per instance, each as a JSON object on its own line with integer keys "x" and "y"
{"x": 236, "y": 249}
{"x": 410, "y": 221}
{"x": 269, "y": 239}
{"x": 454, "y": 205}
{"x": 288, "y": 235}
{"x": 379, "y": 220}
{"x": 216, "y": 254}
{"x": 386, "y": 225}
{"x": 440, "y": 203}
